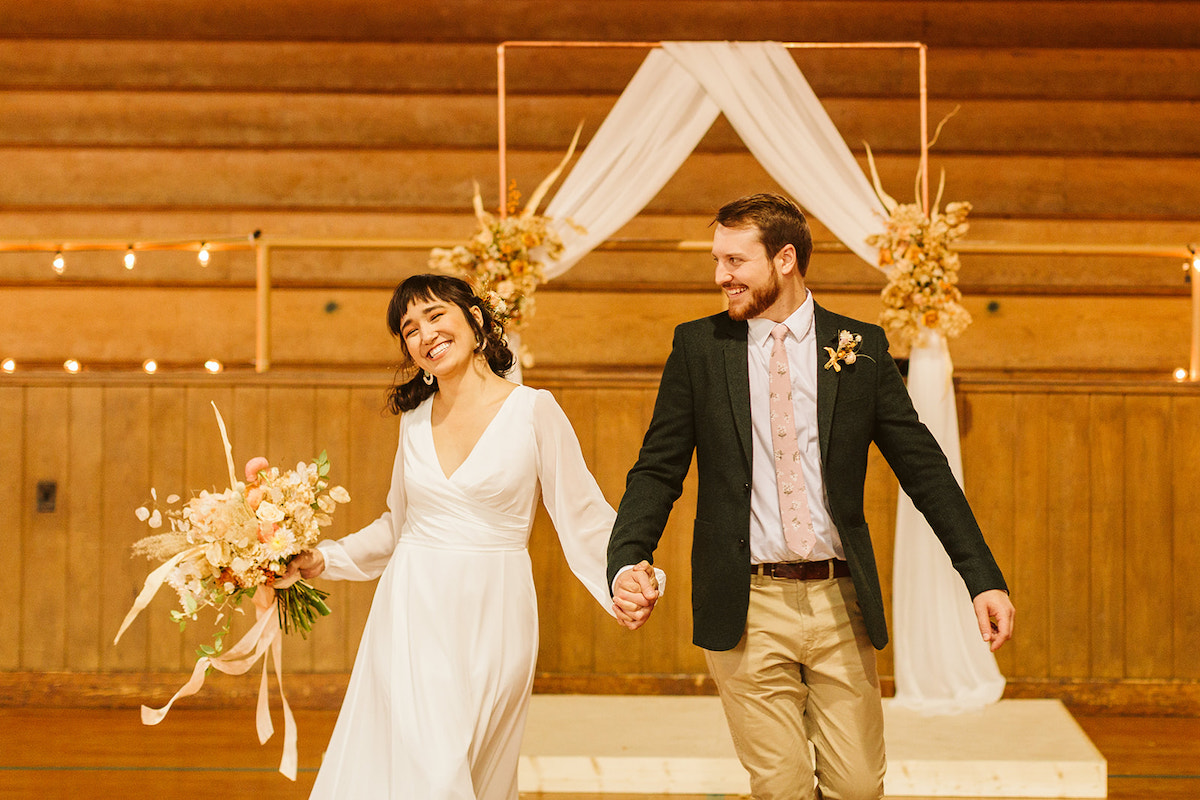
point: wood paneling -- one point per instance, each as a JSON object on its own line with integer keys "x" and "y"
{"x": 348, "y": 118}
{"x": 1080, "y": 487}
{"x": 85, "y": 544}
{"x": 14, "y": 499}
{"x": 1184, "y": 436}
{"x": 1106, "y": 486}
{"x": 1149, "y": 531}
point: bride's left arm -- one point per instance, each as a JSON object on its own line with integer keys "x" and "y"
{"x": 581, "y": 515}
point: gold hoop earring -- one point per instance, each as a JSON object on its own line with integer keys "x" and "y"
{"x": 427, "y": 376}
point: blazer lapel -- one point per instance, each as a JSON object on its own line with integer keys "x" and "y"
{"x": 827, "y": 379}
{"x": 733, "y": 339}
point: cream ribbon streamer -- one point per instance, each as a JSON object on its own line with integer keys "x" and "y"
{"x": 261, "y": 641}
{"x": 153, "y": 581}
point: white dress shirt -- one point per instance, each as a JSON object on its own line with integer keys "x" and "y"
{"x": 766, "y": 526}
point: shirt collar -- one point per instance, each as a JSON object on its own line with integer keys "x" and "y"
{"x": 799, "y": 322}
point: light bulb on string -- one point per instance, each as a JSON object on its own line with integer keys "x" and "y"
{"x": 203, "y": 255}
{"x": 59, "y": 263}
{"x": 213, "y": 366}
{"x": 72, "y": 366}
{"x": 1180, "y": 374}
{"x": 8, "y": 365}
{"x": 150, "y": 366}
{"x": 130, "y": 258}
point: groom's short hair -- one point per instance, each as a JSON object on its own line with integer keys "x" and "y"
{"x": 779, "y": 221}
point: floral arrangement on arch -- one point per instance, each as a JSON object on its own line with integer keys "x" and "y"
{"x": 917, "y": 251}
{"x": 505, "y": 259}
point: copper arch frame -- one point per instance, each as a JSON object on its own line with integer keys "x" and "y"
{"x": 923, "y": 95}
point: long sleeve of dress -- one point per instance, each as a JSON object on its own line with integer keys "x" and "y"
{"x": 581, "y": 515}
{"x": 362, "y": 556}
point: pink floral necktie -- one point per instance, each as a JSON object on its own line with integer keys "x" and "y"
{"x": 793, "y": 494}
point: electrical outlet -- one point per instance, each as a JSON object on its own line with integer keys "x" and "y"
{"x": 47, "y": 496}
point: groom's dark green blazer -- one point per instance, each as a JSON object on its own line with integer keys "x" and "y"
{"x": 703, "y": 406}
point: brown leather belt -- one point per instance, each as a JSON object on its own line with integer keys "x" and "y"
{"x": 804, "y": 570}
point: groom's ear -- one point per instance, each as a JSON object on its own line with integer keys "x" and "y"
{"x": 785, "y": 260}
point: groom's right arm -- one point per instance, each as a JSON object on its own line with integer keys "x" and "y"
{"x": 656, "y": 480}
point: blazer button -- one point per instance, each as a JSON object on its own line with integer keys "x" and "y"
{"x": 741, "y": 544}
{"x": 746, "y": 487}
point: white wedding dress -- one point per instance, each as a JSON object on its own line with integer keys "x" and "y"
{"x": 436, "y": 705}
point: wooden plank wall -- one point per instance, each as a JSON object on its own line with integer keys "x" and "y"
{"x": 1084, "y": 491}
{"x": 352, "y": 119}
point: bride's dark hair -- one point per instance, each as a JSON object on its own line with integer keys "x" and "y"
{"x": 405, "y": 395}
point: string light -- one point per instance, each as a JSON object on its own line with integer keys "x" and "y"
{"x": 213, "y": 366}
{"x": 202, "y": 256}
{"x": 8, "y": 365}
{"x": 130, "y": 258}
{"x": 72, "y": 366}
{"x": 150, "y": 366}
{"x": 59, "y": 262}
{"x": 1180, "y": 374}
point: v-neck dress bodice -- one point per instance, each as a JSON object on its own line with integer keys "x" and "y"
{"x": 437, "y": 700}
{"x": 487, "y": 503}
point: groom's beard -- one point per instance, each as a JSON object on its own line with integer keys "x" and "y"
{"x": 757, "y": 301}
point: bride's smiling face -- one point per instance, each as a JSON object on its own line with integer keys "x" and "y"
{"x": 438, "y": 336}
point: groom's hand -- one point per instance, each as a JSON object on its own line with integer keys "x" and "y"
{"x": 634, "y": 594}
{"x": 994, "y": 611}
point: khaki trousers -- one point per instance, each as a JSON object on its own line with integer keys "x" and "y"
{"x": 804, "y": 673}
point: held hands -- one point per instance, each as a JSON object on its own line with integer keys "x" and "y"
{"x": 306, "y": 564}
{"x": 634, "y": 594}
{"x": 994, "y": 611}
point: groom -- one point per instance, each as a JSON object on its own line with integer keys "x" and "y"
{"x": 779, "y": 400}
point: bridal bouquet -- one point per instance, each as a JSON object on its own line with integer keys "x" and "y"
{"x": 222, "y": 547}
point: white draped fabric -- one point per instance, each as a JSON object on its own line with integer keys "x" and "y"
{"x": 665, "y": 111}
{"x": 672, "y": 101}
{"x": 943, "y": 665}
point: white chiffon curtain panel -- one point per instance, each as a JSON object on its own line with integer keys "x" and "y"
{"x": 942, "y": 664}
{"x": 665, "y": 111}
{"x": 672, "y": 101}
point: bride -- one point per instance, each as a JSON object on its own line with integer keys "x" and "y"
{"x": 437, "y": 700}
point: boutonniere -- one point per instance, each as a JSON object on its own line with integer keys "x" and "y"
{"x": 847, "y": 343}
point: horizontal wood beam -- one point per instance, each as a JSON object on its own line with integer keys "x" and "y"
{"x": 356, "y": 121}
{"x": 1037, "y": 73}
{"x": 50, "y": 179}
{"x": 325, "y": 690}
{"x": 331, "y": 328}
{"x": 1030, "y": 24}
